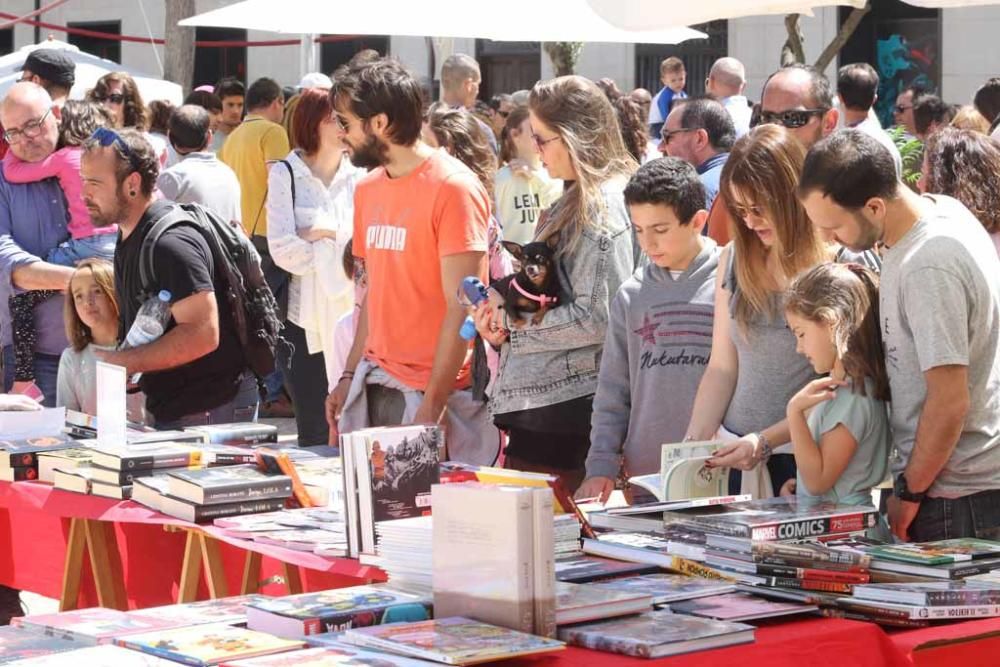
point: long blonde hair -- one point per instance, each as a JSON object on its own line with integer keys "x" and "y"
{"x": 78, "y": 333}
{"x": 579, "y": 112}
{"x": 763, "y": 168}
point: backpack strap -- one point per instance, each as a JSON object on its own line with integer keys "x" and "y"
{"x": 175, "y": 216}
{"x": 263, "y": 203}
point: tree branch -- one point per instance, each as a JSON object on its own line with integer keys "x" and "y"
{"x": 838, "y": 42}
{"x": 793, "y": 52}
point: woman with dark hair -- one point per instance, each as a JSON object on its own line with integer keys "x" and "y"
{"x": 634, "y": 130}
{"x": 965, "y": 164}
{"x": 159, "y": 127}
{"x": 310, "y": 216}
{"x": 543, "y": 392}
{"x": 118, "y": 93}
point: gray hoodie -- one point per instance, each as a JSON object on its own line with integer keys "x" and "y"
{"x": 657, "y": 347}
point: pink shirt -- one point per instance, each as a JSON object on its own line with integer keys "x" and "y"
{"x": 63, "y": 164}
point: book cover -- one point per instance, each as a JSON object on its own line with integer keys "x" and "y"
{"x": 190, "y": 438}
{"x": 213, "y": 486}
{"x": 95, "y": 656}
{"x": 546, "y": 612}
{"x": 767, "y": 570}
{"x": 809, "y": 584}
{"x": 739, "y": 607}
{"x": 958, "y": 570}
{"x": 664, "y": 588}
{"x": 657, "y": 634}
{"x": 933, "y": 613}
{"x": 802, "y": 552}
{"x": 932, "y": 594}
{"x": 276, "y": 462}
{"x": 230, "y": 611}
{"x": 208, "y": 644}
{"x": 643, "y": 546}
{"x": 333, "y": 655}
{"x": 141, "y": 456}
{"x": 658, "y": 508}
{"x": 578, "y": 603}
{"x": 227, "y": 455}
{"x": 18, "y": 474}
{"x": 937, "y": 553}
{"x": 483, "y": 554}
{"x": 239, "y": 434}
{"x": 297, "y": 616}
{"x": 24, "y": 453}
{"x": 63, "y": 458}
{"x": 350, "y": 482}
{"x": 790, "y": 594}
{"x": 91, "y": 626}
{"x": 453, "y": 641}
{"x": 118, "y": 477}
{"x": 780, "y": 518}
{"x": 20, "y": 644}
{"x": 580, "y": 569}
{"x": 194, "y": 513}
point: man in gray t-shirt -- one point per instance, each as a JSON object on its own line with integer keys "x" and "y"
{"x": 940, "y": 322}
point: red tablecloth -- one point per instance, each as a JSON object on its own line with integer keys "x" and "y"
{"x": 34, "y": 526}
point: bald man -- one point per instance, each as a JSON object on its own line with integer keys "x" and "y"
{"x": 726, "y": 81}
{"x": 799, "y": 97}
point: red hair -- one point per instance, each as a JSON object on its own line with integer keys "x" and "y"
{"x": 312, "y": 109}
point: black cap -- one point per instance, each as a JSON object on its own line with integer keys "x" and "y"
{"x": 52, "y": 65}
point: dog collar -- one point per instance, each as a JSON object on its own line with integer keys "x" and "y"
{"x": 544, "y": 299}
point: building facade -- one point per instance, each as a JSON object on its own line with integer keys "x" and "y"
{"x": 955, "y": 49}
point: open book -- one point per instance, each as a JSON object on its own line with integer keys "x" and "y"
{"x": 683, "y": 473}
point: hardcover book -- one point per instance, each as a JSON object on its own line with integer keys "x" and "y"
{"x": 774, "y": 553}
{"x": 95, "y": 656}
{"x": 230, "y": 611}
{"x": 780, "y": 518}
{"x": 958, "y": 570}
{"x": 194, "y": 513}
{"x": 664, "y": 588}
{"x": 931, "y": 594}
{"x": 657, "y": 634}
{"x": 452, "y": 641}
{"x": 147, "y": 456}
{"x": 91, "y": 626}
{"x": 227, "y": 455}
{"x": 296, "y": 616}
{"x": 717, "y": 561}
{"x": 933, "y": 613}
{"x": 20, "y": 644}
{"x": 24, "y": 453}
{"x": 213, "y": 486}
{"x": 654, "y": 549}
{"x": 239, "y": 434}
{"x": 208, "y": 644}
{"x": 335, "y": 655}
{"x": 739, "y": 607}
{"x": 937, "y": 553}
{"x": 578, "y": 603}
{"x": 580, "y": 569}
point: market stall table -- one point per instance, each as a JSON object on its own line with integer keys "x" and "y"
{"x": 138, "y": 557}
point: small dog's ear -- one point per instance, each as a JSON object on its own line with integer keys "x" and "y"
{"x": 552, "y": 241}
{"x": 514, "y": 249}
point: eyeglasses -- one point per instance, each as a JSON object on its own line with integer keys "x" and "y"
{"x": 105, "y": 137}
{"x": 503, "y": 114}
{"x": 743, "y": 211}
{"x": 900, "y": 108}
{"x": 31, "y": 129}
{"x": 114, "y": 98}
{"x": 791, "y": 119}
{"x": 667, "y": 135}
{"x": 540, "y": 143}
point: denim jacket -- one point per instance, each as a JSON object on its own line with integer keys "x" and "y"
{"x": 557, "y": 360}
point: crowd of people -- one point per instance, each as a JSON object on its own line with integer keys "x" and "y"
{"x": 765, "y": 275}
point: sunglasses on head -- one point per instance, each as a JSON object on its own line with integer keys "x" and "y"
{"x": 793, "y": 118}
{"x": 106, "y": 137}
{"x": 114, "y": 98}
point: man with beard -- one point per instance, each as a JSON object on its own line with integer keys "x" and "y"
{"x": 195, "y": 373}
{"x": 939, "y": 305}
{"x": 420, "y": 227}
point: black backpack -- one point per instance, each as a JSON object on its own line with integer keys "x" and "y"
{"x": 255, "y": 312}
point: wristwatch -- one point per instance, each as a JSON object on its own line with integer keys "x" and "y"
{"x": 902, "y": 491}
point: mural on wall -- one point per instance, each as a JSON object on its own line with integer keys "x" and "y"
{"x": 907, "y": 53}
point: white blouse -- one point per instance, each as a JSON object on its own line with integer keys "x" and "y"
{"x": 319, "y": 291}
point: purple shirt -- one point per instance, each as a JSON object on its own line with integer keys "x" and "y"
{"x": 33, "y": 221}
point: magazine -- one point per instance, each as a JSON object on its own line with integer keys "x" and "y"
{"x": 666, "y": 588}
{"x": 739, "y": 607}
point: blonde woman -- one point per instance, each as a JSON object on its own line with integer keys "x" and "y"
{"x": 754, "y": 371}
{"x": 543, "y": 392}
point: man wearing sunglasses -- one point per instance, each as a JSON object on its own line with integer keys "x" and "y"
{"x": 799, "y": 98}
{"x": 700, "y": 132}
{"x": 33, "y": 221}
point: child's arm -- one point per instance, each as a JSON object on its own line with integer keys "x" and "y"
{"x": 819, "y": 464}
{"x": 62, "y": 164}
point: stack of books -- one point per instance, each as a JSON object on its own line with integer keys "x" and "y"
{"x": 649, "y": 517}
{"x": 944, "y": 559}
{"x": 584, "y": 568}
{"x": 388, "y": 474}
{"x": 19, "y": 458}
{"x": 89, "y": 627}
{"x": 111, "y": 472}
{"x": 566, "y": 534}
{"x": 894, "y": 604}
{"x": 205, "y": 494}
{"x": 667, "y": 588}
{"x": 405, "y": 552}
{"x": 79, "y": 455}
{"x": 581, "y": 603}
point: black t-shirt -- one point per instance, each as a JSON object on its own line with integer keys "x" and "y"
{"x": 183, "y": 265}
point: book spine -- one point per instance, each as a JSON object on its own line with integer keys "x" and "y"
{"x": 163, "y": 461}
{"x": 545, "y": 570}
{"x": 813, "y": 527}
{"x": 22, "y": 474}
{"x": 525, "y": 555}
{"x": 205, "y": 512}
{"x": 597, "y": 642}
{"x": 957, "y": 598}
{"x": 829, "y": 566}
{"x": 811, "y": 585}
{"x": 831, "y": 612}
{"x": 240, "y": 491}
{"x": 806, "y": 553}
{"x": 971, "y": 568}
{"x": 871, "y": 610}
{"x": 694, "y": 569}
{"x": 813, "y": 573}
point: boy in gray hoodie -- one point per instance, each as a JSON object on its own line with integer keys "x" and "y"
{"x": 660, "y": 331}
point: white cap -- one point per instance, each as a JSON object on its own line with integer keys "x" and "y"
{"x": 315, "y": 80}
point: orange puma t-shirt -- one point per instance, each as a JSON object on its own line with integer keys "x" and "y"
{"x": 402, "y": 229}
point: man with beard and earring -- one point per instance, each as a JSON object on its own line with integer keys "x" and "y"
{"x": 420, "y": 227}
{"x": 195, "y": 373}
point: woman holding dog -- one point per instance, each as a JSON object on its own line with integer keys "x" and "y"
{"x": 543, "y": 392}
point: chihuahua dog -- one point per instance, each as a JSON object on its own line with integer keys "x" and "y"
{"x": 533, "y": 289}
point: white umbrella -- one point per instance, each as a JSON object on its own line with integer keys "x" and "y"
{"x": 944, "y": 4}
{"x": 89, "y": 68}
{"x": 647, "y": 14}
{"x": 512, "y": 20}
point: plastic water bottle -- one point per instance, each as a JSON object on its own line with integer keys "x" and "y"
{"x": 472, "y": 293}
{"x": 151, "y": 321}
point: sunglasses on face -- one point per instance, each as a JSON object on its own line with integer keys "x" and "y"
{"x": 742, "y": 212}
{"x": 31, "y": 129}
{"x": 667, "y": 135}
{"x": 793, "y": 118}
{"x": 114, "y": 98}
{"x": 540, "y": 143}
{"x": 106, "y": 137}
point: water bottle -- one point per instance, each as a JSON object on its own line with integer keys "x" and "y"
{"x": 151, "y": 321}
{"x": 472, "y": 293}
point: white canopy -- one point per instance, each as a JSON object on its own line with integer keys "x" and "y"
{"x": 89, "y": 68}
{"x": 512, "y": 20}
{"x": 647, "y": 14}
{"x": 945, "y": 4}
